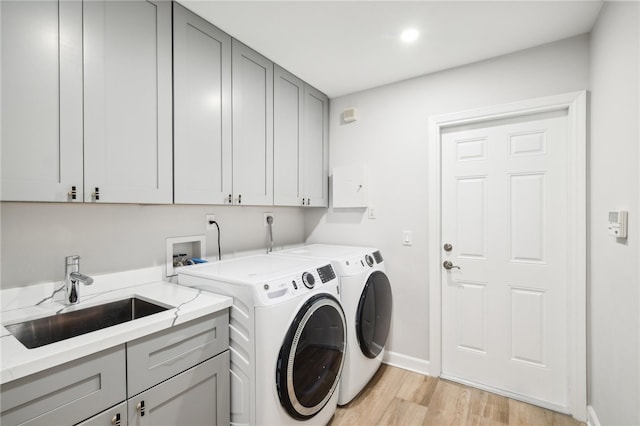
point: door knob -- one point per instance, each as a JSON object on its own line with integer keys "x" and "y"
{"x": 448, "y": 265}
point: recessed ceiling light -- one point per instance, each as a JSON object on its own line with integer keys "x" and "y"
{"x": 409, "y": 35}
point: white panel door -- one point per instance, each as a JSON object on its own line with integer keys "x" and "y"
{"x": 127, "y": 101}
{"x": 41, "y": 109}
{"x": 315, "y": 149}
{"x": 202, "y": 110}
{"x": 504, "y": 302}
{"x": 252, "y": 99}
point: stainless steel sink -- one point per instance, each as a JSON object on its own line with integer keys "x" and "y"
{"x": 43, "y": 331}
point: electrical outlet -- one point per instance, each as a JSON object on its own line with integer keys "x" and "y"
{"x": 266, "y": 215}
{"x": 208, "y": 219}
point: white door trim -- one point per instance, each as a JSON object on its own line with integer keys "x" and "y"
{"x": 576, "y": 105}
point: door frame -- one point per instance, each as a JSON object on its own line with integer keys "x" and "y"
{"x": 575, "y": 104}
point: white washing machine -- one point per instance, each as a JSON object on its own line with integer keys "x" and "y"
{"x": 365, "y": 294}
{"x": 287, "y": 336}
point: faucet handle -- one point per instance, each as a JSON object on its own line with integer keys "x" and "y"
{"x": 72, "y": 260}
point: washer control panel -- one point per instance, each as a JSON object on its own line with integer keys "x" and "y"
{"x": 293, "y": 285}
{"x": 326, "y": 273}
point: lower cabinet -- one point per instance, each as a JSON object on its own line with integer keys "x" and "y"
{"x": 115, "y": 416}
{"x": 199, "y": 396}
{"x": 178, "y": 376}
{"x": 68, "y": 393}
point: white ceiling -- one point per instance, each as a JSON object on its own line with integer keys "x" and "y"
{"x": 342, "y": 47}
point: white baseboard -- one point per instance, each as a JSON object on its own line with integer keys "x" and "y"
{"x": 592, "y": 418}
{"x": 407, "y": 362}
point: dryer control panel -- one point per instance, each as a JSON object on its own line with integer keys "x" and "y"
{"x": 358, "y": 264}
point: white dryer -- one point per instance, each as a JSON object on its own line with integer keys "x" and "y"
{"x": 287, "y": 336}
{"x": 365, "y": 293}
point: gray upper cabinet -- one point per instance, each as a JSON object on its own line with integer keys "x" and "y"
{"x": 202, "y": 110}
{"x": 127, "y": 101}
{"x": 86, "y": 101}
{"x": 41, "y": 113}
{"x": 252, "y": 98}
{"x": 288, "y": 102}
{"x": 98, "y": 107}
{"x": 300, "y": 142}
{"x": 315, "y": 148}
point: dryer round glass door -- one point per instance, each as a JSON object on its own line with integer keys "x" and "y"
{"x": 311, "y": 357}
{"x": 373, "y": 317}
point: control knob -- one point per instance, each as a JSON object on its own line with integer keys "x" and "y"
{"x": 308, "y": 280}
{"x": 369, "y": 260}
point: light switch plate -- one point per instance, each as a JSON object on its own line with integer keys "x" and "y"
{"x": 407, "y": 238}
{"x": 372, "y": 212}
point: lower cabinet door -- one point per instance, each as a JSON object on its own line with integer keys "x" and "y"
{"x": 115, "y": 416}
{"x": 68, "y": 393}
{"x": 199, "y": 396}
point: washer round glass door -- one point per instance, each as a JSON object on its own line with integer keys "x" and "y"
{"x": 311, "y": 357}
{"x": 373, "y": 317}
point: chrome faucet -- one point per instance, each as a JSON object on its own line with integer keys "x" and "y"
{"x": 73, "y": 278}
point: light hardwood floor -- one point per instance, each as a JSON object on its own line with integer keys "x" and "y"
{"x": 400, "y": 397}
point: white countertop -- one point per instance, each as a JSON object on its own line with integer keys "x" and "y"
{"x": 17, "y": 361}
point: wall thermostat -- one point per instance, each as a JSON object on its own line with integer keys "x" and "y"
{"x": 618, "y": 223}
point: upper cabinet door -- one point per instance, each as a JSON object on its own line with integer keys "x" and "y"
{"x": 252, "y": 91}
{"x": 288, "y": 102}
{"x": 41, "y": 111}
{"x": 127, "y": 101}
{"x": 202, "y": 110}
{"x": 315, "y": 150}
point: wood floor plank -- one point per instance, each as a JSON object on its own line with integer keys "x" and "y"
{"x": 401, "y": 412}
{"x": 400, "y": 397}
{"x": 370, "y": 406}
{"x": 521, "y": 413}
{"x": 418, "y": 388}
{"x": 490, "y": 406}
{"x": 449, "y": 404}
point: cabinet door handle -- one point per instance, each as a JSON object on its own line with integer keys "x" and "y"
{"x": 230, "y": 199}
{"x": 73, "y": 193}
{"x": 115, "y": 420}
{"x": 240, "y": 199}
{"x": 303, "y": 201}
{"x": 308, "y": 201}
{"x": 96, "y": 194}
{"x": 140, "y": 408}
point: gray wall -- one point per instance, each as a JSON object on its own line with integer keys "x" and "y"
{"x": 117, "y": 237}
{"x": 390, "y": 137}
{"x": 614, "y": 275}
